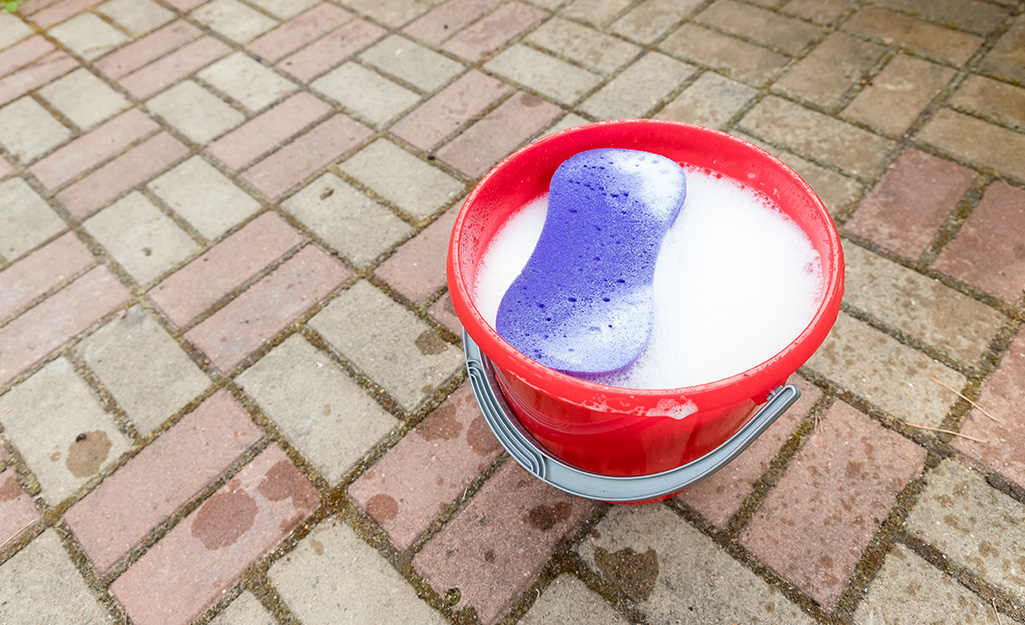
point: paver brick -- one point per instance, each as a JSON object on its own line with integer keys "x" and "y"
{"x": 266, "y": 131}
{"x": 147, "y": 49}
{"x": 494, "y": 31}
{"x": 17, "y": 510}
{"x": 284, "y": 9}
{"x": 331, "y": 49}
{"x": 92, "y": 148}
{"x": 500, "y": 132}
{"x": 57, "y": 12}
{"x": 39, "y": 584}
{"x": 186, "y": 572}
{"x": 238, "y": 258}
{"x": 35, "y": 334}
{"x": 18, "y": 56}
{"x": 545, "y": 74}
{"x": 444, "y": 313}
{"x": 205, "y": 197}
{"x": 884, "y": 372}
{"x": 639, "y": 89}
{"x": 88, "y": 36}
{"x": 296, "y": 33}
{"x": 195, "y": 112}
{"x": 443, "y": 21}
{"x": 1001, "y": 397}
{"x": 138, "y": 17}
{"x": 598, "y": 12}
{"x": 831, "y": 500}
{"x": 401, "y": 178}
{"x": 291, "y": 165}
{"x": 1006, "y": 59}
{"x": 651, "y": 19}
{"x": 765, "y": 27}
{"x": 670, "y": 569}
{"x": 818, "y": 136}
{"x": 997, "y": 100}
{"x": 321, "y": 410}
{"x": 185, "y": 5}
{"x": 233, "y": 20}
{"x": 452, "y": 107}
{"x": 244, "y": 610}
{"x": 565, "y": 599}
{"x": 246, "y": 81}
{"x": 498, "y": 543}
{"x": 387, "y": 343}
{"x": 346, "y": 219}
{"x": 84, "y": 99}
{"x": 133, "y": 167}
{"x": 12, "y": 30}
{"x": 417, "y": 269}
{"x": 161, "y": 479}
{"x": 155, "y": 77}
{"x": 820, "y": 11}
{"x": 734, "y": 58}
{"x": 973, "y": 525}
{"x": 971, "y": 15}
{"x": 35, "y": 74}
{"x": 257, "y": 315}
{"x": 831, "y": 69}
{"x": 718, "y": 497}
{"x": 365, "y": 93}
{"x": 987, "y": 251}
{"x": 27, "y": 280}
{"x": 710, "y": 101}
{"x": 409, "y": 61}
{"x": 333, "y": 577}
{"x": 25, "y": 219}
{"x": 60, "y": 429}
{"x": 975, "y": 141}
{"x": 587, "y": 46}
{"x": 143, "y": 368}
{"x": 428, "y": 469}
{"x": 929, "y": 39}
{"x": 28, "y": 131}
{"x": 907, "y": 208}
{"x": 393, "y": 13}
{"x": 922, "y": 307}
{"x": 896, "y": 96}
{"x": 143, "y": 240}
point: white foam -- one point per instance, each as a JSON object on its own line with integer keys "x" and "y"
{"x": 735, "y": 282}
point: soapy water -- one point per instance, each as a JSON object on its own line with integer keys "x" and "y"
{"x": 735, "y": 282}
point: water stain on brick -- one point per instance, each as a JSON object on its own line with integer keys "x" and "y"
{"x": 285, "y": 480}
{"x": 318, "y": 547}
{"x": 442, "y": 425}
{"x": 10, "y": 489}
{"x": 87, "y": 453}
{"x": 224, "y": 518}
{"x": 634, "y": 573}
{"x": 430, "y": 344}
{"x": 382, "y": 507}
{"x": 545, "y": 517}
{"x": 480, "y": 438}
{"x": 326, "y": 411}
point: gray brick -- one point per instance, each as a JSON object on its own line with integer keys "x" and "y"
{"x": 84, "y": 99}
{"x": 44, "y": 416}
{"x": 711, "y": 101}
{"x": 411, "y": 62}
{"x": 595, "y": 11}
{"x": 25, "y": 219}
{"x": 12, "y": 29}
{"x": 136, "y": 16}
{"x": 388, "y": 343}
{"x": 639, "y": 89}
{"x": 284, "y": 9}
{"x": 833, "y": 67}
{"x": 565, "y": 600}
{"x": 765, "y": 27}
{"x": 88, "y": 36}
{"x": 976, "y": 141}
{"x": 204, "y": 197}
{"x": 246, "y": 81}
{"x": 346, "y": 219}
{"x": 233, "y": 19}
{"x": 392, "y": 12}
{"x": 365, "y": 93}
{"x": 143, "y": 368}
{"x": 1007, "y": 59}
{"x": 545, "y": 74}
{"x": 195, "y": 112}
{"x": 403, "y": 179}
{"x": 584, "y": 45}
{"x": 244, "y": 610}
{"x": 317, "y": 406}
{"x": 898, "y": 94}
{"x": 997, "y": 100}
{"x": 333, "y": 577}
{"x": 650, "y": 19}
{"x": 28, "y": 131}
{"x": 735, "y": 58}
{"x": 666, "y": 566}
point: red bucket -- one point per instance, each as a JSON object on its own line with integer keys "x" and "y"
{"x": 629, "y": 432}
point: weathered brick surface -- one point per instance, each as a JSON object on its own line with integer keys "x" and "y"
{"x": 296, "y": 33}
{"x": 837, "y": 64}
{"x": 765, "y": 27}
{"x": 584, "y": 45}
{"x": 651, "y": 19}
{"x": 894, "y": 99}
{"x": 565, "y": 599}
{"x": 417, "y": 269}
{"x": 28, "y": 131}
{"x": 149, "y": 48}
{"x": 204, "y": 197}
{"x": 35, "y": 74}
{"x": 543, "y": 73}
{"x": 84, "y": 99}
{"x": 975, "y": 141}
{"x": 233, "y": 20}
{"x": 195, "y": 112}
{"x": 247, "y": 82}
{"x": 639, "y": 89}
{"x": 32, "y": 277}
{"x": 25, "y": 219}
{"x": 17, "y": 510}
{"x": 448, "y": 18}
{"x": 710, "y": 101}
{"x": 24, "y": 53}
{"x": 365, "y": 93}
{"x": 162, "y": 73}
{"x": 493, "y": 31}
{"x": 943, "y": 43}
{"x": 991, "y": 98}
{"x": 332, "y": 49}
{"x": 1005, "y": 59}
{"x": 740, "y": 59}
{"x": 409, "y": 61}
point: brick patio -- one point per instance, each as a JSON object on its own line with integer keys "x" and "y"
{"x": 231, "y": 380}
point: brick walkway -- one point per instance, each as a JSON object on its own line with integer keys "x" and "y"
{"x": 231, "y": 383}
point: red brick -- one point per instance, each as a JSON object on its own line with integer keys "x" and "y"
{"x": 30, "y": 7}
{"x": 332, "y": 49}
{"x": 227, "y": 266}
{"x": 60, "y": 11}
{"x": 258, "y": 314}
{"x": 151, "y": 47}
{"x": 294, "y": 163}
{"x": 161, "y": 479}
{"x": 33, "y": 276}
{"x": 23, "y": 53}
{"x": 204, "y": 555}
{"x": 827, "y": 506}
{"x": 91, "y": 149}
{"x": 719, "y": 497}
{"x": 417, "y": 269}
{"x": 260, "y": 135}
{"x": 498, "y": 543}
{"x": 35, "y": 74}
{"x": 503, "y": 130}
{"x": 449, "y": 109}
{"x": 988, "y": 251}
{"x": 445, "y": 453}
{"x": 34, "y": 335}
{"x": 296, "y": 33}
{"x": 157, "y": 75}
{"x": 445, "y": 313}
{"x": 907, "y": 208}
{"x": 493, "y": 31}
{"x": 17, "y": 512}
{"x": 444, "y": 21}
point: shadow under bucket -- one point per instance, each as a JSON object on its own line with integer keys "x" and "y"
{"x": 618, "y": 444}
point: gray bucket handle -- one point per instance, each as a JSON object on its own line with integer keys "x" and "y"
{"x": 522, "y": 446}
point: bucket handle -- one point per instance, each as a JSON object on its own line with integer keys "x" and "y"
{"x": 522, "y": 446}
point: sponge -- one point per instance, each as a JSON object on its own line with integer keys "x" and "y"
{"x": 584, "y": 302}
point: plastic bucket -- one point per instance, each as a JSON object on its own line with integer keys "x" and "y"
{"x": 617, "y": 432}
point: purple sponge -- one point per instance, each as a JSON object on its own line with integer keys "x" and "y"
{"x": 584, "y": 302}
